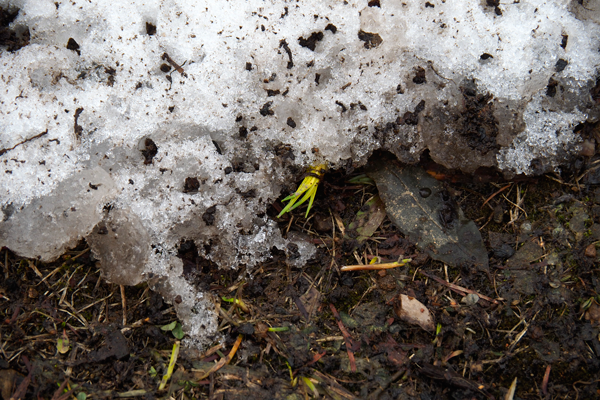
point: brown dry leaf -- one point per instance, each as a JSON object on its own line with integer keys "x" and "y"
{"x": 368, "y": 219}
{"x": 9, "y": 380}
{"x": 414, "y": 312}
{"x": 593, "y": 313}
{"x": 311, "y": 300}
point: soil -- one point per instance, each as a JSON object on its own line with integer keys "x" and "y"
{"x": 298, "y": 333}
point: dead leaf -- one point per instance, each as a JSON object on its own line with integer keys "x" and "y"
{"x": 62, "y": 344}
{"x": 395, "y": 354}
{"x": 593, "y": 313}
{"x": 423, "y": 210}
{"x": 368, "y": 219}
{"x": 312, "y": 300}
{"x": 414, "y": 312}
{"x": 115, "y": 346}
{"x": 9, "y": 380}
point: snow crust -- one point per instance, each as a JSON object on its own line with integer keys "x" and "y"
{"x": 265, "y": 89}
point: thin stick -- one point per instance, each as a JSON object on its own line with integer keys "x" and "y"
{"x": 374, "y": 267}
{"x": 516, "y": 205}
{"x": 49, "y": 275}
{"x": 224, "y": 360}
{"x": 177, "y": 67}
{"x": 80, "y": 254}
{"x": 456, "y": 287}
{"x": 350, "y": 346}
{"x": 495, "y": 193}
{"x": 384, "y": 386}
{"x": 124, "y": 303}
{"x": 34, "y": 268}
{"x": 94, "y": 303}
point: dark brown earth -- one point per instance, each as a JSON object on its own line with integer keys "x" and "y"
{"x": 534, "y": 315}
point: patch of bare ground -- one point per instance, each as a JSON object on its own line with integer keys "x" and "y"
{"x": 318, "y": 331}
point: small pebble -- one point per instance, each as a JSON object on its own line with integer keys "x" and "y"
{"x": 470, "y": 299}
{"x": 395, "y": 329}
{"x": 526, "y": 227}
{"x": 590, "y": 251}
{"x": 588, "y": 147}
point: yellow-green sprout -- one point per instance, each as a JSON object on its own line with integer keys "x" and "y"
{"x": 308, "y": 187}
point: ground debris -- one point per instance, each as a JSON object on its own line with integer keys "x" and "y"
{"x": 413, "y": 311}
{"x": 425, "y": 212}
{"x": 115, "y": 346}
{"x": 305, "y": 331}
{"x": 452, "y": 378}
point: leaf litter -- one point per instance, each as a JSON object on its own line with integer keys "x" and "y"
{"x": 303, "y": 332}
{"x": 413, "y": 311}
{"x": 424, "y": 210}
